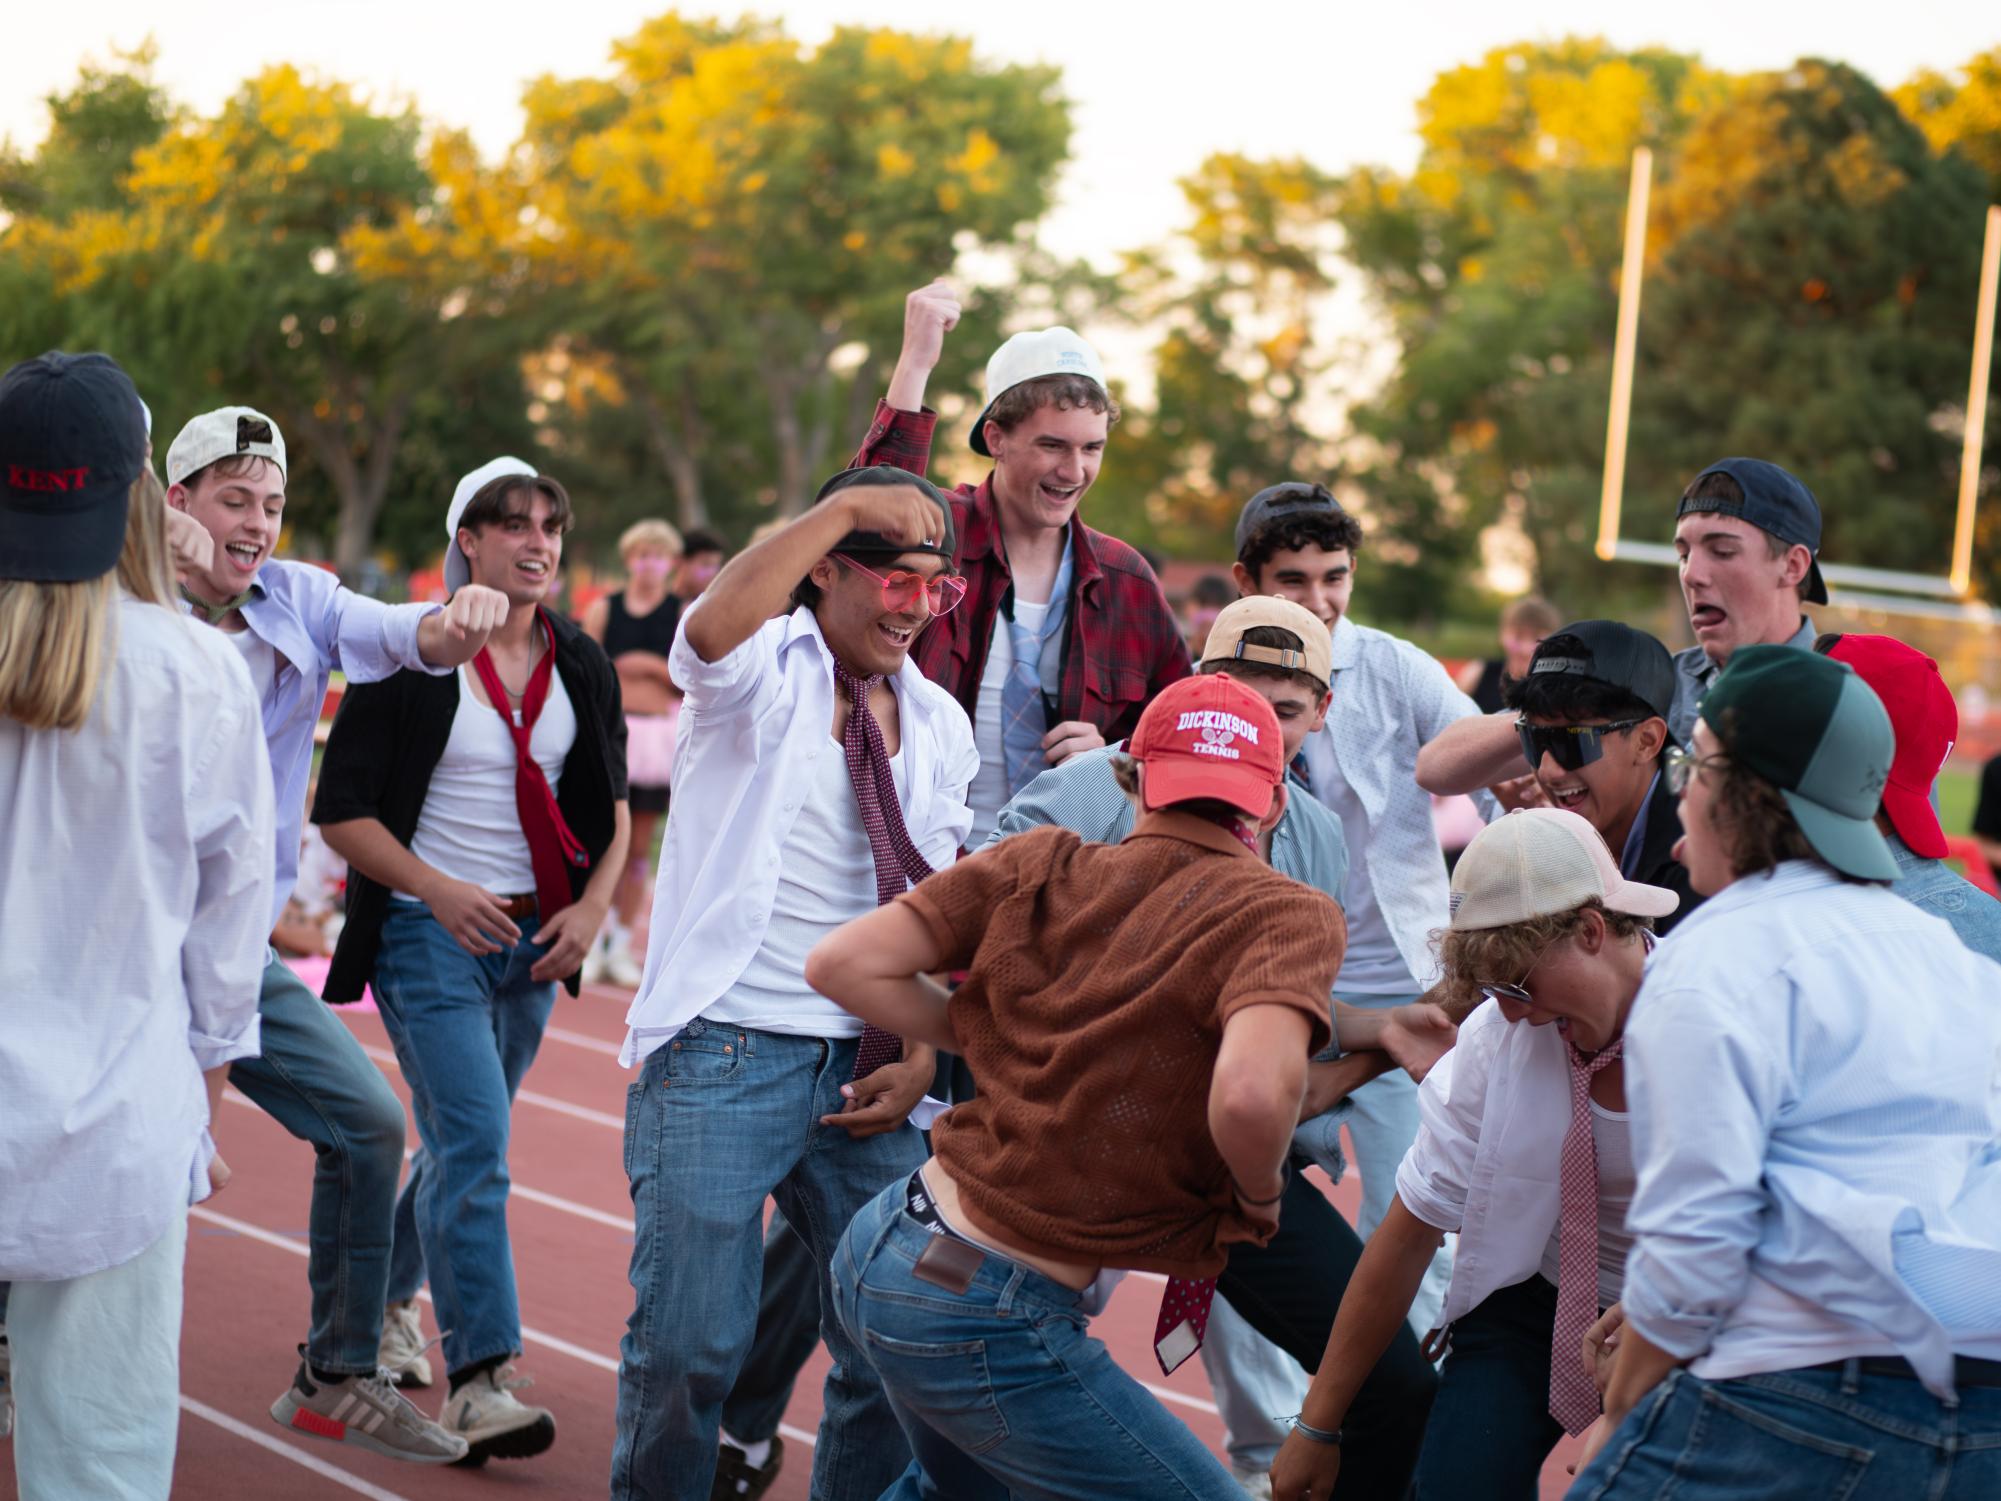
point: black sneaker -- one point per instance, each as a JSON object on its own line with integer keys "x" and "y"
{"x": 737, "y": 1481}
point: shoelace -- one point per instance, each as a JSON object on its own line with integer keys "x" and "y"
{"x": 382, "y": 1388}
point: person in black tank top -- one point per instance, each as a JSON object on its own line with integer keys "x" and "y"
{"x": 636, "y": 628}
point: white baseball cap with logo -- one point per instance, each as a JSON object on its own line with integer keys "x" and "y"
{"x": 1537, "y": 862}
{"x": 1030, "y": 356}
{"x": 458, "y": 572}
{"x": 223, "y": 434}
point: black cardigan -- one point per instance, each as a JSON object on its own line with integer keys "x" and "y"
{"x": 388, "y": 738}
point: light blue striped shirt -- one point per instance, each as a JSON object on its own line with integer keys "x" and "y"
{"x": 1812, "y": 1070}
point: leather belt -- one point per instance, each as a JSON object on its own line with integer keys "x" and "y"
{"x": 518, "y": 907}
{"x": 1967, "y": 1370}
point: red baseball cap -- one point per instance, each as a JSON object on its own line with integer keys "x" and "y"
{"x": 1209, "y": 737}
{"x": 1926, "y": 721}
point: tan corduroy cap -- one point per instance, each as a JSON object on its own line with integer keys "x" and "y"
{"x": 1226, "y": 636}
{"x": 1537, "y": 862}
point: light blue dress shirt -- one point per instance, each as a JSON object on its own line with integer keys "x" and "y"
{"x": 1811, "y": 1067}
{"x": 318, "y": 627}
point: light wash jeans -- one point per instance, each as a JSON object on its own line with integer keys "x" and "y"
{"x": 1001, "y": 1392}
{"x": 1382, "y": 1122}
{"x": 465, "y": 1027}
{"x": 1825, "y": 1434}
{"x": 722, "y": 1118}
{"x": 97, "y": 1378}
{"x": 1254, "y": 1382}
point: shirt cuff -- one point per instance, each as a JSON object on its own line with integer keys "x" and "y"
{"x": 1684, "y": 1333}
{"x": 214, "y": 1052}
{"x": 399, "y": 633}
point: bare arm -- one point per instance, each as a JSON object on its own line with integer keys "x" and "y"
{"x": 647, "y": 665}
{"x": 456, "y": 634}
{"x": 1640, "y": 1366}
{"x": 470, "y": 915}
{"x": 929, "y": 314}
{"x": 1470, "y": 754}
{"x": 756, "y": 584}
{"x": 1329, "y": 1083}
{"x": 1373, "y": 1308}
{"x": 1255, "y": 1094}
{"x": 878, "y": 966}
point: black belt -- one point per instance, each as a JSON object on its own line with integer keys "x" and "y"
{"x": 1967, "y": 1370}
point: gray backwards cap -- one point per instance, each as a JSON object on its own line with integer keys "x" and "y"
{"x": 873, "y": 544}
{"x": 1277, "y": 503}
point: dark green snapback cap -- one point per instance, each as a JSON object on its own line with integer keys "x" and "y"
{"x": 1813, "y": 729}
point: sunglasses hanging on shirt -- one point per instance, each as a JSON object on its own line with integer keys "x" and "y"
{"x": 1572, "y": 745}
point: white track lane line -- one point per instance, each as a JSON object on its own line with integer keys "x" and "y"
{"x": 530, "y": 1097}
{"x": 284, "y": 1450}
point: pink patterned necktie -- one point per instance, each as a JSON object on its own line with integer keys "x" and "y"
{"x": 1573, "y": 1397}
{"x": 898, "y": 865}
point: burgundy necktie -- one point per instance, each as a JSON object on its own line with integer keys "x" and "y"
{"x": 1183, "y": 1320}
{"x": 1573, "y": 1396}
{"x": 552, "y": 848}
{"x": 898, "y": 865}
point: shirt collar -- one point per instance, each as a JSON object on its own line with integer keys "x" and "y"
{"x": 1165, "y": 823}
{"x": 1788, "y": 878}
{"x": 1800, "y": 640}
{"x": 1345, "y": 645}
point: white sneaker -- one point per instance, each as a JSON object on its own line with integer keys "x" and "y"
{"x": 620, "y": 967}
{"x": 493, "y": 1422}
{"x": 368, "y": 1412}
{"x": 403, "y": 1346}
{"x": 595, "y": 956}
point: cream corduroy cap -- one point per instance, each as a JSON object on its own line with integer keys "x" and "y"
{"x": 1536, "y": 862}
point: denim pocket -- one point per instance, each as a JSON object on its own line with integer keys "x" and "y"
{"x": 1754, "y": 1441}
{"x": 705, "y": 1054}
{"x": 949, "y": 1385}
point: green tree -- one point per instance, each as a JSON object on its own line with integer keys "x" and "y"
{"x": 1962, "y": 110}
{"x": 729, "y": 223}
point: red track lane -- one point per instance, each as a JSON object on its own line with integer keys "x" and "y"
{"x": 569, "y": 1222}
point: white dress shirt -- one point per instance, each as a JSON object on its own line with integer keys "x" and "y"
{"x": 135, "y": 898}
{"x": 1390, "y": 699}
{"x": 1489, "y": 1152}
{"x": 751, "y": 726}
{"x": 1812, "y": 1069}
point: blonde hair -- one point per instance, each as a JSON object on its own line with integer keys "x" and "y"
{"x": 56, "y": 638}
{"x": 1472, "y": 957}
{"x": 652, "y": 532}
{"x": 145, "y": 566}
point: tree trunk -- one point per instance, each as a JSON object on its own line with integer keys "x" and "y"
{"x": 675, "y": 448}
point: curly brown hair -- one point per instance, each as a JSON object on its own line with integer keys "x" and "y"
{"x": 1019, "y": 402}
{"x": 1750, "y": 816}
{"x": 1473, "y": 957}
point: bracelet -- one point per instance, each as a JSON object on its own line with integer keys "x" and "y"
{"x": 1284, "y": 1182}
{"x": 1318, "y": 1435}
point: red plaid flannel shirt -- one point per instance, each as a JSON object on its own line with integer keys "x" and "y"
{"x": 1122, "y": 645}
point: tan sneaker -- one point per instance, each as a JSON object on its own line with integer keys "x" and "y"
{"x": 403, "y": 1346}
{"x": 494, "y": 1423}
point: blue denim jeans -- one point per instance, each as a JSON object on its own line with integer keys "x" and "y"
{"x": 315, "y": 1081}
{"x": 1382, "y": 1123}
{"x": 465, "y": 1028}
{"x": 1490, "y": 1428}
{"x": 1840, "y": 1435}
{"x": 720, "y": 1119}
{"x": 999, "y": 1389}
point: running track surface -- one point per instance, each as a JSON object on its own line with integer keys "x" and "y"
{"x": 570, "y": 1220}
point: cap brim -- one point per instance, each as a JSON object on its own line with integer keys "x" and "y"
{"x": 67, "y": 546}
{"x": 1183, "y": 779}
{"x": 1637, "y": 899}
{"x": 458, "y": 572}
{"x": 1910, "y": 813}
{"x": 979, "y": 438}
{"x": 1853, "y": 846}
{"x": 1816, "y": 586}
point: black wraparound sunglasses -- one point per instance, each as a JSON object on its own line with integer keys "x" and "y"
{"x": 1572, "y": 745}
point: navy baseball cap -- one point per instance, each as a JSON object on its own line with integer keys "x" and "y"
{"x": 72, "y": 440}
{"x": 874, "y": 544}
{"x": 1609, "y": 651}
{"x": 1280, "y": 502}
{"x": 1774, "y": 501}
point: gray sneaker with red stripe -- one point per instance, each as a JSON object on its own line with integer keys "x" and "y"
{"x": 368, "y": 1412}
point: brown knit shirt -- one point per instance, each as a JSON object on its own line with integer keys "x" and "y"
{"x": 1102, "y": 976}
